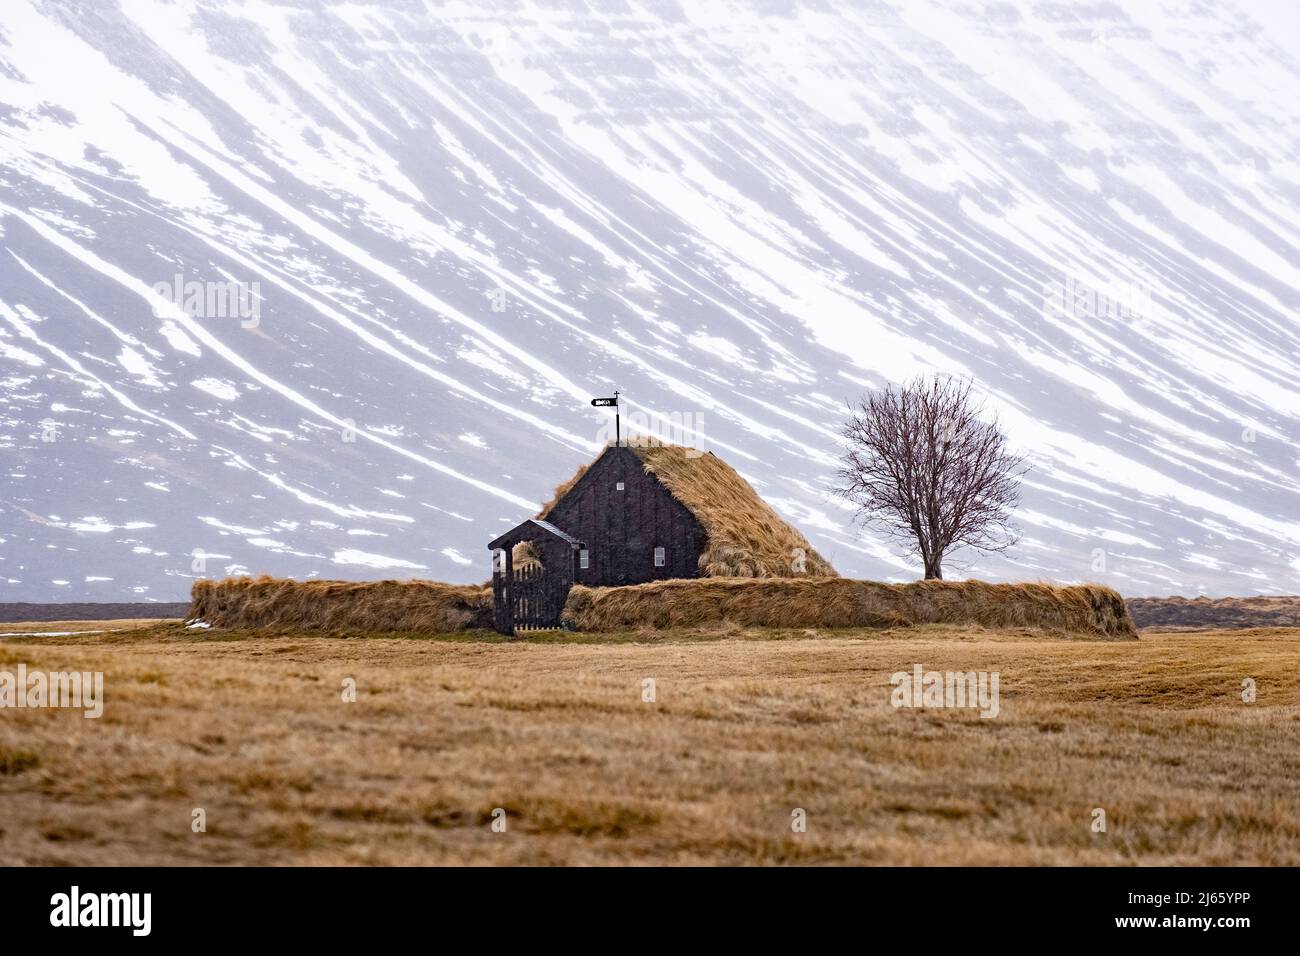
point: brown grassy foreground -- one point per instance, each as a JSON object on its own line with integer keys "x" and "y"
{"x": 252, "y": 729}
{"x": 1086, "y": 609}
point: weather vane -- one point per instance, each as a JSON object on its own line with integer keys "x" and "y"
{"x": 611, "y": 403}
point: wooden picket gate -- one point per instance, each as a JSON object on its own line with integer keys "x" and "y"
{"x": 532, "y": 596}
{"x": 529, "y": 598}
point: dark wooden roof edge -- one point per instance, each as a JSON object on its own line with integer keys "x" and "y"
{"x": 520, "y": 533}
{"x": 563, "y": 535}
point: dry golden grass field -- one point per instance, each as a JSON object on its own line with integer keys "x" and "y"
{"x": 745, "y": 728}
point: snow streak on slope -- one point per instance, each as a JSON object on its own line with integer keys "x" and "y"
{"x": 464, "y": 220}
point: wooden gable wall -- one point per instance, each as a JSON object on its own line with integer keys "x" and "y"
{"x": 621, "y": 529}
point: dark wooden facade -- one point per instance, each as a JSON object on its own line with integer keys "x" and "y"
{"x": 612, "y": 520}
{"x": 620, "y": 529}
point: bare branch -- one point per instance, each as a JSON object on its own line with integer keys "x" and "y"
{"x": 923, "y": 467}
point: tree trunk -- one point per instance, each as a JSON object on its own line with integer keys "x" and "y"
{"x": 934, "y": 569}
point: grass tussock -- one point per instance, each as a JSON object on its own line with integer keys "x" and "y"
{"x": 424, "y": 606}
{"x": 840, "y": 603}
{"x": 746, "y": 538}
{"x": 524, "y": 555}
{"x": 14, "y": 762}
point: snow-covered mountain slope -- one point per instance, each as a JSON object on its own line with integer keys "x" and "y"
{"x": 464, "y": 220}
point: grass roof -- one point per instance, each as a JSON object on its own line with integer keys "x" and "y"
{"x": 746, "y": 538}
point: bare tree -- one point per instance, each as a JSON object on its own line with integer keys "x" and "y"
{"x": 924, "y": 467}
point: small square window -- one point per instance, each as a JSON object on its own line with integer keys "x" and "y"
{"x": 619, "y": 486}
{"x": 584, "y": 558}
{"x": 660, "y": 557}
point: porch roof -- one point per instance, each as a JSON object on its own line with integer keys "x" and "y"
{"x": 528, "y": 531}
